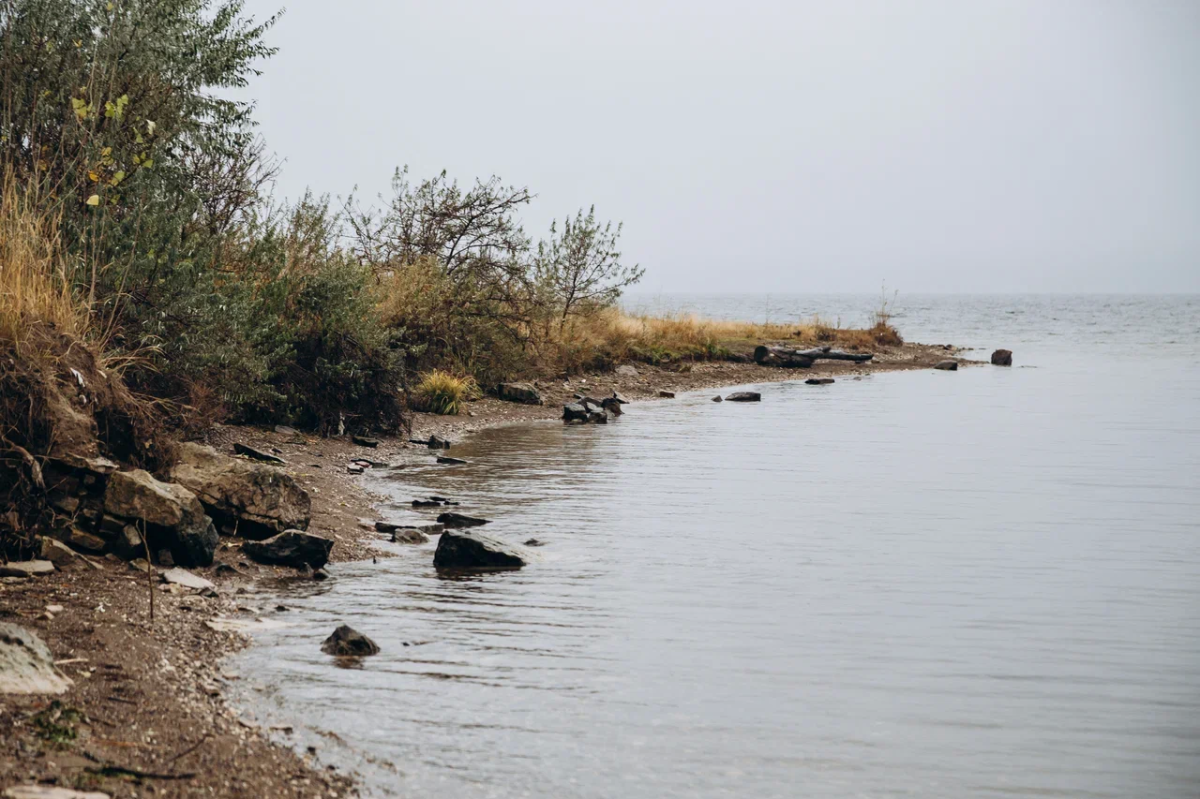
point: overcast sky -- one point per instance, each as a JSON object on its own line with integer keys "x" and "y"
{"x": 1048, "y": 145}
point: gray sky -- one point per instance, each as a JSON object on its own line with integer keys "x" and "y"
{"x": 1049, "y": 145}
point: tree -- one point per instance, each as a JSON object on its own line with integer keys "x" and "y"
{"x": 581, "y": 266}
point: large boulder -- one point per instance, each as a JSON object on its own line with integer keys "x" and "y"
{"x": 257, "y": 501}
{"x": 172, "y": 516}
{"x": 294, "y": 548}
{"x": 26, "y": 665}
{"x": 459, "y": 549}
{"x": 1002, "y": 358}
{"x": 520, "y": 392}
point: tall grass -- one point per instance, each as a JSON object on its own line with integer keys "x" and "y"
{"x": 443, "y": 393}
{"x": 35, "y": 275}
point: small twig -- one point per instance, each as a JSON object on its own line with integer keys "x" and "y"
{"x": 149, "y": 566}
{"x": 121, "y": 700}
{"x": 107, "y": 769}
{"x": 191, "y": 748}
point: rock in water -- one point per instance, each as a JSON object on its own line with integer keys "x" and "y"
{"x": 348, "y": 642}
{"x": 617, "y": 396}
{"x": 1002, "y": 358}
{"x": 293, "y": 548}
{"x": 476, "y": 550}
{"x": 520, "y": 392}
{"x": 612, "y": 405}
{"x": 574, "y": 412}
{"x": 26, "y": 665}
{"x": 744, "y": 396}
{"x": 946, "y": 366}
{"x": 409, "y": 535}
{"x": 259, "y": 501}
{"x": 718, "y": 398}
{"x": 448, "y": 461}
{"x": 819, "y": 381}
{"x": 597, "y": 417}
{"x": 257, "y": 454}
{"x": 666, "y": 394}
{"x": 454, "y": 521}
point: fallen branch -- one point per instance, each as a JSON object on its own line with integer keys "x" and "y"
{"x": 108, "y": 769}
{"x": 803, "y": 359}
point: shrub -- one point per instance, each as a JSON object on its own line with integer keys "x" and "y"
{"x": 443, "y": 393}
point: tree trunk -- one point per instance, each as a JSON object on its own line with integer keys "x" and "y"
{"x": 803, "y": 359}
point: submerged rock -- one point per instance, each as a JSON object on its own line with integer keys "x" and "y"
{"x": 408, "y": 535}
{"x": 477, "y": 550}
{"x": 1002, "y": 358}
{"x": 597, "y": 417}
{"x": 348, "y": 642}
{"x": 294, "y": 548}
{"x": 819, "y": 381}
{"x": 256, "y": 500}
{"x": 946, "y": 366}
{"x": 744, "y": 396}
{"x": 454, "y": 521}
{"x": 26, "y": 665}
{"x": 427, "y": 527}
{"x": 448, "y": 461}
{"x": 524, "y": 393}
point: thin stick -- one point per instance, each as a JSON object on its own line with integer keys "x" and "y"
{"x": 149, "y": 567}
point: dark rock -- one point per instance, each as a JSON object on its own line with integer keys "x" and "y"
{"x": 524, "y": 393}
{"x": 666, "y": 394}
{"x": 433, "y": 442}
{"x": 363, "y": 441}
{"x": 718, "y": 398}
{"x": 619, "y": 398}
{"x": 291, "y": 548}
{"x": 423, "y": 503}
{"x": 81, "y": 539}
{"x": 320, "y": 574}
{"x": 454, "y": 521}
{"x": 450, "y": 461}
{"x": 436, "y": 498}
{"x": 744, "y": 396}
{"x": 574, "y": 412}
{"x": 533, "y": 542}
{"x": 597, "y": 417}
{"x": 430, "y": 528}
{"x": 346, "y": 642}
{"x": 354, "y": 468}
{"x": 611, "y": 405}
{"x": 946, "y": 366}
{"x": 257, "y": 454}
{"x": 819, "y": 381}
{"x": 476, "y": 550}
{"x": 129, "y": 543}
{"x": 225, "y": 568}
{"x": 174, "y": 515}
{"x": 1002, "y": 358}
{"x": 58, "y": 553}
{"x": 257, "y": 500}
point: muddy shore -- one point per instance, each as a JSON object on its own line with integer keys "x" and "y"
{"x": 147, "y": 714}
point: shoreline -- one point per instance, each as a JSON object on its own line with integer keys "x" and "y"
{"x": 152, "y": 697}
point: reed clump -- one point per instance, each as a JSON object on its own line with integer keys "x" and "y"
{"x": 444, "y": 393}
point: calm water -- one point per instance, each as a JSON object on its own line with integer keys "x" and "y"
{"x": 972, "y": 584}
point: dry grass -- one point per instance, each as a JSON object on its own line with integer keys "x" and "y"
{"x": 35, "y": 286}
{"x": 444, "y": 393}
{"x": 611, "y": 336}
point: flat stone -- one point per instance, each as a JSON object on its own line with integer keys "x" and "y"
{"x": 252, "y": 453}
{"x": 574, "y": 412}
{"x": 946, "y": 366}
{"x": 26, "y": 568}
{"x": 186, "y": 579}
{"x": 625, "y": 370}
{"x": 444, "y": 459}
{"x": 50, "y": 792}
{"x": 409, "y": 536}
{"x": 524, "y": 393}
{"x": 86, "y": 541}
{"x": 744, "y": 396}
{"x": 454, "y": 521}
{"x": 26, "y": 665}
{"x": 428, "y": 527}
{"x": 58, "y": 553}
{"x": 363, "y": 441}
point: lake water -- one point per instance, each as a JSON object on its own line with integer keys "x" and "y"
{"x": 973, "y": 584}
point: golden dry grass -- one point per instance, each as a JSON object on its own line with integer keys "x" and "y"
{"x": 444, "y": 393}
{"x": 35, "y": 286}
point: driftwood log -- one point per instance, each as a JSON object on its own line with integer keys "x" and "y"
{"x": 803, "y": 359}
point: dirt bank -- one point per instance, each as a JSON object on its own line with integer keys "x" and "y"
{"x": 146, "y": 715}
